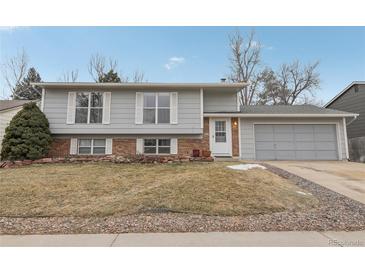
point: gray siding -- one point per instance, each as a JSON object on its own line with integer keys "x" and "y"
{"x": 352, "y": 101}
{"x": 248, "y": 136}
{"x": 220, "y": 101}
{"x": 122, "y": 115}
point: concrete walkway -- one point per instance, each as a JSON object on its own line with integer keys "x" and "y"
{"x": 212, "y": 239}
{"x": 347, "y": 178}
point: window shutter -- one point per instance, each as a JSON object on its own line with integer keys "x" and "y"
{"x": 73, "y": 146}
{"x": 71, "y": 108}
{"x": 173, "y": 143}
{"x": 139, "y": 146}
{"x": 173, "y": 108}
{"x": 139, "y": 108}
{"x": 109, "y": 146}
{"x": 106, "y": 107}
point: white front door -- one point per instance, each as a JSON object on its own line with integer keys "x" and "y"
{"x": 220, "y": 136}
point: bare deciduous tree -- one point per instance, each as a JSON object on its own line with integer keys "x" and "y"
{"x": 14, "y": 70}
{"x": 244, "y": 64}
{"x": 69, "y": 76}
{"x": 293, "y": 83}
{"x": 97, "y": 66}
{"x": 138, "y": 76}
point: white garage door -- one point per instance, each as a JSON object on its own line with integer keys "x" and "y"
{"x": 296, "y": 142}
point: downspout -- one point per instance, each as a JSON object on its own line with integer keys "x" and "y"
{"x": 43, "y": 95}
{"x": 346, "y": 141}
{"x": 345, "y": 132}
{"x": 352, "y": 120}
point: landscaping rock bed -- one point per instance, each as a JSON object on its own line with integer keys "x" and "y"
{"x": 334, "y": 212}
{"x": 110, "y": 158}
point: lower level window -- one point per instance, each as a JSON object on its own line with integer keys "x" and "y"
{"x": 157, "y": 146}
{"x": 91, "y": 146}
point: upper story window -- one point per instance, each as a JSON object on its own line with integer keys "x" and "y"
{"x": 156, "y": 108}
{"x": 89, "y": 107}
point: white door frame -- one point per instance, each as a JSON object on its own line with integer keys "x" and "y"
{"x": 228, "y": 134}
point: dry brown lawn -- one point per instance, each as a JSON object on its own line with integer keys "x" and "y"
{"x": 103, "y": 189}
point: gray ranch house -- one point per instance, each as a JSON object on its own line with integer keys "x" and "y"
{"x": 175, "y": 119}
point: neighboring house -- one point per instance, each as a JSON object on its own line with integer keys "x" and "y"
{"x": 352, "y": 99}
{"x": 173, "y": 119}
{"x": 8, "y": 108}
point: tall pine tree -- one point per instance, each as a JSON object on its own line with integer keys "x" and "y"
{"x": 24, "y": 91}
{"x": 27, "y": 136}
{"x": 110, "y": 77}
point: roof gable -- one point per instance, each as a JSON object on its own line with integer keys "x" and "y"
{"x": 344, "y": 91}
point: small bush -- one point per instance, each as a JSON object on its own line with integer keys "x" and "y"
{"x": 27, "y": 136}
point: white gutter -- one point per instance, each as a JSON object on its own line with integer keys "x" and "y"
{"x": 269, "y": 115}
{"x": 141, "y": 85}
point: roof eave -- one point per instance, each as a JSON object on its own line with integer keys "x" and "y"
{"x": 141, "y": 85}
{"x": 270, "y": 115}
{"x": 11, "y": 108}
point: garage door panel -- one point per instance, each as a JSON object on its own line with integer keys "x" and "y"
{"x": 324, "y": 128}
{"x": 304, "y": 137}
{"x": 264, "y": 136}
{"x": 283, "y": 136}
{"x": 265, "y": 154}
{"x": 326, "y": 155}
{"x": 296, "y": 142}
{"x": 283, "y": 128}
{"x": 305, "y": 154}
{"x": 285, "y": 145}
{"x": 325, "y": 146}
{"x": 305, "y": 146}
{"x": 265, "y": 145}
{"x": 325, "y": 136}
{"x": 265, "y": 129}
{"x": 303, "y": 128}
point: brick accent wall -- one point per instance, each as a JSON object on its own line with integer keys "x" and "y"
{"x": 127, "y": 147}
{"x": 124, "y": 147}
{"x": 235, "y": 138}
{"x": 59, "y": 148}
{"x": 186, "y": 146}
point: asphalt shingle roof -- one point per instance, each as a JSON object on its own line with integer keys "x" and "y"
{"x": 285, "y": 109}
{"x": 8, "y": 104}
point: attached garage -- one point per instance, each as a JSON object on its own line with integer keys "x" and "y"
{"x": 296, "y": 142}
{"x": 281, "y": 132}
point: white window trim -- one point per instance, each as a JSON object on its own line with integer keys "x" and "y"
{"x": 89, "y": 107}
{"x": 157, "y": 146}
{"x": 91, "y": 146}
{"x": 156, "y": 107}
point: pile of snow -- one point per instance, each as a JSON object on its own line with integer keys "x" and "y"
{"x": 303, "y": 193}
{"x": 246, "y": 166}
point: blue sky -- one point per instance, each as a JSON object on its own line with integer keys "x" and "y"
{"x": 187, "y": 54}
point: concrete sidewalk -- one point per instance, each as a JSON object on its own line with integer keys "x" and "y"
{"x": 211, "y": 239}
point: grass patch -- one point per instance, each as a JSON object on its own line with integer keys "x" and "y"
{"x": 103, "y": 189}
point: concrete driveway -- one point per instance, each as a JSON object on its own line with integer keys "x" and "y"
{"x": 346, "y": 178}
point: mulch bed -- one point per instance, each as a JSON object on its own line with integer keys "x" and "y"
{"x": 334, "y": 212}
